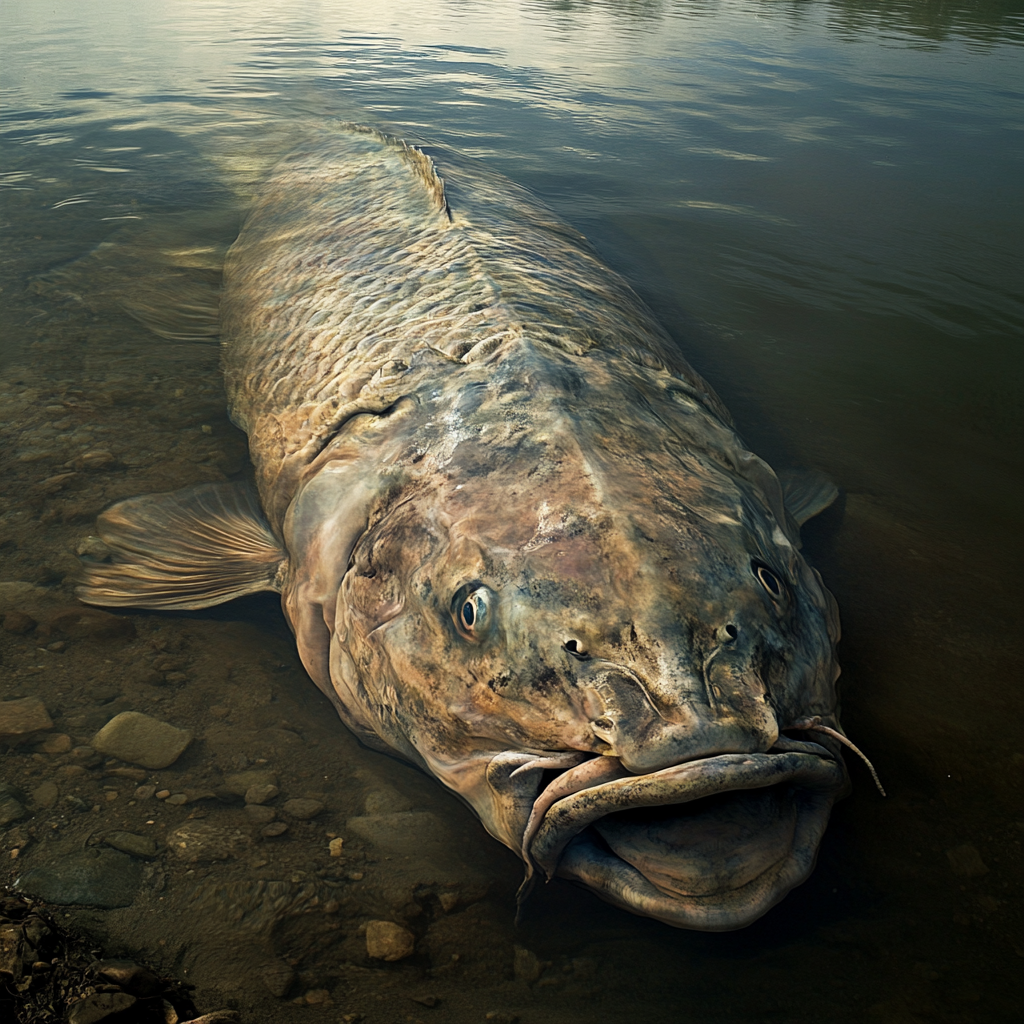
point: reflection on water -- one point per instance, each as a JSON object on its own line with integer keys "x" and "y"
{"x": 821, "y": 202}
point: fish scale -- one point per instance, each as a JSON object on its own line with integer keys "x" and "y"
{"x": 356, "y": 255}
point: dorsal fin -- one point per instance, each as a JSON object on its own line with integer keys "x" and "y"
{"x": 806, "y": 492}
{"x": 188, "y": 549}
{"x": 416, "y": 160}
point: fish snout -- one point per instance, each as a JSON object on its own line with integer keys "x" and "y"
{"x": 648, "y": 733}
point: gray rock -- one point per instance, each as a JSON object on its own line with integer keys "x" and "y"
{"x": 19, "y": 623}
{"x": 21, "y": 718}
{"x": 200, "y": 841}
{"x": 278, "y": 977}
{"x": 386, "y": 801}
{"x": 259, "y": 815}
{"x": 98, "y": 1007}
{"x": 303, "y": 809}
{"x": 129, "y": 842}
{"x": 275, "y": 828}
{"x": 139, "y": 739}
{"x": 45, "y": 795}
{"x": 92, "y": 878}
{"x": 16, "y": 594}
{"x": 386, "y": 940}
{"x": 261, "y": 794}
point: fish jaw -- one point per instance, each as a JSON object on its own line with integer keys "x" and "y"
{"x": 711, "y": 844}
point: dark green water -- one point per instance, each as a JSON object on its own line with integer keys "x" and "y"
{"x": 822, "y": 202}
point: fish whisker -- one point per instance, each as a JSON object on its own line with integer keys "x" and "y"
{"x": 814, "y": 725}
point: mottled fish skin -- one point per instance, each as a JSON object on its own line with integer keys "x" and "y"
{"x": 516, "y": 530}
{"x": 357, "y": 257}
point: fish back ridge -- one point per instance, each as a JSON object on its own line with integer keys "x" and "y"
{"x": 359, "y": 257}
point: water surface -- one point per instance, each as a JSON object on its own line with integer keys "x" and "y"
{"x": 821, "y": 201}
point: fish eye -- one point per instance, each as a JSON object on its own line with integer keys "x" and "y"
{"x": 768, "y": 579}
{"x": 471, "y": 609}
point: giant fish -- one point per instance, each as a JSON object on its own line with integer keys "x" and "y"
{"x": 518, "y": 539}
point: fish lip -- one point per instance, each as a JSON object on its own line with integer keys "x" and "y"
{"x": 563, "y": 845}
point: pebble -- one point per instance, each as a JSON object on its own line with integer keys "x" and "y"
{"x": 426, "y": 1000}
{"x": 94, "y": 548}
{"x": 45, "y": 795}
{"x": 19, "y": 623}
{"x": 58, "y": 743}
{"x": 145, "y": 792}
{"x": 965, "y": 860}
{"x": 15, "y": 594}
{"x": 526, "y": 965}
{"x": 163, "y": 794}
{"x": 129, "y": 842}
{"x": 140, "y": 739}
{"x": 239, "y": 783}
{"x": 386, "y": 940}
{"x": 303, "y": 809}
{"x": 199, "y": 841}
{"x": 275, "y": 828}
{"x": 261, "y": 793}
{"x": 278, "y": 978}
{"x": 21, "y": 718}
{"x": 259, "y": 815}
{"x": 335, "y": 846}
{"x": 177, "y": 799}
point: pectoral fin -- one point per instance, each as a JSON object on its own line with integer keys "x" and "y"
{"x": 188, "y": 549}
{"x": 805, "y": 493}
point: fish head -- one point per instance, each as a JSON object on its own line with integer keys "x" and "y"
{"x": 603, "y": 680}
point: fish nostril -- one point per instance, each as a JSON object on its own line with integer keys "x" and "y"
{"x": 727, "y": 634}
{"x": 576, "y": 650}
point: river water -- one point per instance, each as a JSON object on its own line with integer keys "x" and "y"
{"x": 822, "y": 203}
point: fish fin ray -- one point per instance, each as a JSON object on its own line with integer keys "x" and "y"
{"x": 187, "y": 549}
{"x": 805, "y": 493}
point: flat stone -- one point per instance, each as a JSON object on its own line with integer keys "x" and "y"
{"x": 90, "y": 878}
{"x": 260, "y": 815}
{"x": 526, "y": 965}
{"x": 130, "y": 843}
{"x": 386, "y": 940}
{"x": 45, "y": 795}
{"x": 145, "y": 792}
{"x": 21, "y": 718}
{"x": 99, "y": 1006}
{"x": 16, "y": 595}
{"x": 278, "y": 978}
{"x": 19, "y": 623}
{"x": 138, "y": 738}
{"x": 303, "y": 809}
{"x": 965, "y": 860}
{"x": 239, "y": 783}
{"x": 261, "y": 794}
{"x": 82, "y": 623}
{"x": 275, "y": 828}
{"x": 10, "y": 810}
{"x": 199, "y": 841}
{"x": 58, "y": 743}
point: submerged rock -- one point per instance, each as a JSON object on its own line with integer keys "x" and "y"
{"x": 138, "y": 738}
{"x": 99, "y": 1006}
{"x": 130, "y": 843}
{"x": 386, "y": 940}
{"x": 93, "y": 878}
{"x": 23, "y": 717}
{"x": 303, "y": 809}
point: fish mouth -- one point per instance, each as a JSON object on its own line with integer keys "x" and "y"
{"x": 709, "y": 844}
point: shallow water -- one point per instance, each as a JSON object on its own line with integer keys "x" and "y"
{"x": 821, "y": 201}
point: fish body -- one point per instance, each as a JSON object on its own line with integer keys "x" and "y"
{"x": 517, "y": 537}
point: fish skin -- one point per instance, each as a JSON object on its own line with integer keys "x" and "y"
{"x": 450, "y": 399}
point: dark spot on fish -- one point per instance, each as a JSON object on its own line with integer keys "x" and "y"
{"x": 546, "y": 679}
